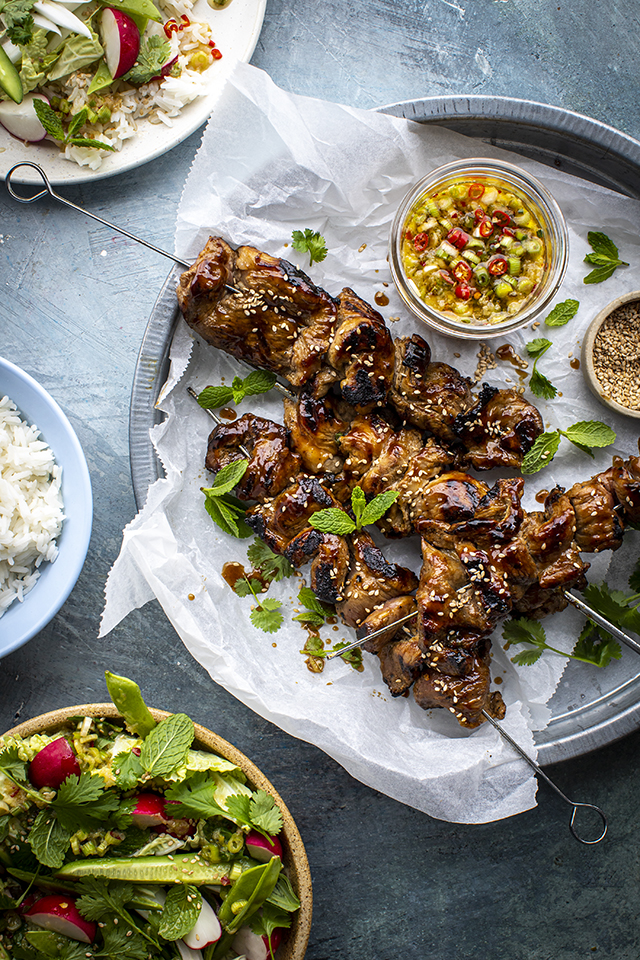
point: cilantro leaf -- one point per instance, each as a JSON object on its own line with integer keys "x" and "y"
{"x": 310, "y": 242}
{"x": 267, "y": 616}
{"x": 82, "y": 802}
{"x": 634, "y": 579}
{"x": 239, "y": 806}
{"x": 283, "y": 895}
{"x": 11, "y": 764}
{"x": 316, "y": 612}
{"x": 589, "y": 647}
{"x": 153, "y": 55}
{"x": 535, "y": 348}
{"x": 243, "y": 587}
{"x": 593, "y": 647}
{"x": 195, "y": 798}
{"x": 265, "y": 813}
{"x": 18, "y": 20}
{"x": 128, "y": 770}
{"x": 562, "y": 313}
{"x": 541, "y": 386}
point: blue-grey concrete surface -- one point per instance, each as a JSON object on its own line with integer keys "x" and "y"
{"x": 388, "y": 882}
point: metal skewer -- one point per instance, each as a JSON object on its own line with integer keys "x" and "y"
{"x": 48, "y": 189}
{"x": 218, "y": 420}
{"x": 575, "y": 807}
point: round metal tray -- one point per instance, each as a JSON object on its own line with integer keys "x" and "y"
{"x": 558, "y": 138}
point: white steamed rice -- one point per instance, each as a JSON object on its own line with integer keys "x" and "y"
{"x": 31, "y": 509}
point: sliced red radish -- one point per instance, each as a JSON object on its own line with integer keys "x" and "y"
{"x": 207, "y": 929}
{"x": 21, "y": 120}
{"x": 121, "y": 40}
{"x": 186, "y": 952}
{"x": 60, "y": 915}
{"x": 255, "y": 947}
{"x": 262, "y": 848}
{"x": 149, "y": 810}
{"x": 54, "y": 763}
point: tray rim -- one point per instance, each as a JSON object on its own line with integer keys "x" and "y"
{"x": 565, "y": 737}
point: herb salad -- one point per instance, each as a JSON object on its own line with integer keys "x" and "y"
{"x": 129, "y": 843}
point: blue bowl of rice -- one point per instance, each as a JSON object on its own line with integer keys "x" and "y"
{"x": 46, "y": 507}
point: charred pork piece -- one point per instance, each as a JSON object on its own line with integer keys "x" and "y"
{"x": 280, "y": 321}
{"x": 623, "y": 479}
{"x": 458, "y": 591}
{"x": 361, "y": 352}
{"x": 428, "y": 463}
{"x": 272, "y": 464}
{"x": 314, "y": 426}
{"x": 428, "y": 395}
{"x": 388, "y": 613}
{"x": 499, "y": 429}
{"x": 455, "y": 656}
{"x": 279, "y": 520}
{"x": 376, "y": 455}
{"x": 329, "y": 556}
{"x": 401, "y": 662}
{"x": 465, "y": 697}
{"x": 598, "y": 526}
{"x": 371, "y": 581}
{"x": 496, "y": 519}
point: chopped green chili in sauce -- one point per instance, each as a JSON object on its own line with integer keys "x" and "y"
{"x": 475, "y": 250}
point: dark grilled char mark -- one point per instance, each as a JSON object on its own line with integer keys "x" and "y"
{"x": 271, "y": 463}
{"x": 329, "y": 556}
{"x": 314, "y": 425}
{"x": 499, "y": 430}
{"x": 279, "y": 520}
{"x": 361, "y": 352}
{"x": 372, "y": 580}
{"x": 401, "y": 662}
{"x": 465, "y": 697}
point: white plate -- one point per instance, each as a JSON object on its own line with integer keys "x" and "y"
{"x": 236, "y": 29}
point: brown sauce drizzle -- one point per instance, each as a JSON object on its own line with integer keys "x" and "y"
{"x": 228, "y": 413}
{"x": 575, "y": 364}
{"x": 381, "y": 298}
{"x": 232, "y": 572}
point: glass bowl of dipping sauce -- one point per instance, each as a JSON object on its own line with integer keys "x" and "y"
{"x": 478, "y": 248}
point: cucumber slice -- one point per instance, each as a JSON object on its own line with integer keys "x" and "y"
{"x": 10, "y": 78}
{"x": 178, "y": 868}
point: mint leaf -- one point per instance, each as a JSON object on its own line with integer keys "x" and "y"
{"x": 283, "y": 895}
{"x": 562, "y": 313}
{"x": 605, "y": 257}
{"x": 228, "y": 514}
{"x": 89, "y": 142}
{"x": 590, "y": 433}
{"x": 602, "y": 244}
{"x": 542, "y": 452}
{"x": 165, "y": 748}
{"x": 181, "y": 911}
{"x": 49, "y": 119}
{"x": 310, "y": 242}
{"x": 332, "y": 520}
{"x": 308, "y": 599}
{"x": 49, "y": 840}
{"x": 227, "y": 478}
{"x": 213, "y": 397}
{"x": 600, "y": 274}
{"x": 259, "y": 381}
{"x": 377, "y": 507}
{"x": 358, "y": 503}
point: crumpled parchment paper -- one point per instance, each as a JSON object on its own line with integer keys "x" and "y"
{"x": 270, "y": 163}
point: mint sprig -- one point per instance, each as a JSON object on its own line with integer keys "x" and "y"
{"x": 315, "y": 613}
{"x": 586, "y": 434}
{"x": 52, "y": 123}
{"x": 337, "y": 521}
{"x": 605, "y": 257}
{"x": 258, "y": 381}
{"x": 540, "y": 385}
{"x": 227, "y": 511}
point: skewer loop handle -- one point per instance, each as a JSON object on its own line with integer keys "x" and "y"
{"x": 36, "y": 196}
{"x": 572, "y": 823}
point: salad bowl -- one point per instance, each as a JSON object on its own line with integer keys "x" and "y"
{"x": 294, "y": 943}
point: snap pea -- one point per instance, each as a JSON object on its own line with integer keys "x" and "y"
{"x": 128, "y": 699}
{"x": 10, "y": 78}
{"x": 248, "y": 894}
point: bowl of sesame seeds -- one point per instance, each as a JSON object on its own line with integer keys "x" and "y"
{"x": 611, "y": 355}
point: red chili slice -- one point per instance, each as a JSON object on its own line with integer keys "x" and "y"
{"x": 502, "y": 218}
{"x": 216, "y": 54}
{"x": 462, "y": 291}
{"x": 478, "y": 213}
{"x": 475, "y": 191}
{"x": 421, "y": 242}
{"x": 485, "y": 227}
{"x": 462, "y": 270}
{"x": 507, "y": 232}
{"x": 497, "y": 266}
{"x": 185, "y": 20}
{"x": 458, "y": 238}
{"x": 446, "y": 276}
{"x": 170, "y": 27}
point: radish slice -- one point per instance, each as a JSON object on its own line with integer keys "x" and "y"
{"x": 207, "y": 929}
{"x": 186, "y": 952}
{"x": 262, "y": 848}
{"x": 121, "y": 41}
{"x": 255, "y": 947}
{"x": 149, "y": 810}
{"x": 60, "y": 915}
{"x": 54, "y": 763}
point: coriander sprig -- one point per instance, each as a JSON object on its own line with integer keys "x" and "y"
{"x": 531, "y": 632}
{"x": 310, "y": 242}
{"x": 314, "y": 649}
{"x": 604, "y": 258}
{"x": 258, "y": 381}
{"x": 585, "y": 435}
{"x": 337, "y": 521}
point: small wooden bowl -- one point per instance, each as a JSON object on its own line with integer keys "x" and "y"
{"x": 294, "y": 943}
{"x": 587, "y": 366}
